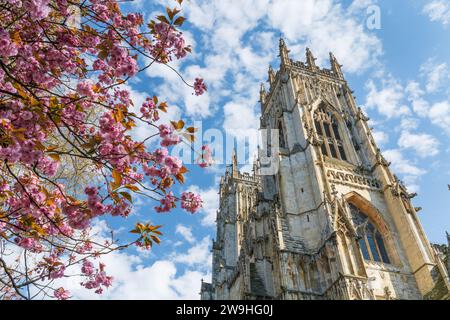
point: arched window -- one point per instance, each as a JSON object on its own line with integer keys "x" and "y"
{"x": 371, "y": 241}
{"x": 328, "y": 130}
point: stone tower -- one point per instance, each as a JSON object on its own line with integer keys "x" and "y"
{"x": 333, "y": 221}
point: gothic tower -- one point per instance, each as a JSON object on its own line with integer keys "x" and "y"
{"x": 332, "y": 221}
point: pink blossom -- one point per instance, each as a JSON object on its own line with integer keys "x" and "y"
{"x": 174, "y": 164}
{"x": 86, "y": 88}
{"x": 199, "y": 86}
{"x": 29, "y": 244}
{"x": 168, "y": 136}
{"x": 7, "y": 48}
{"x": 87, "y": 268}
{"x": 97, "y": 279}
{"x": 61, "y": 294}
{"x": 56, "y": 81}
{"x": 167, "y": 203}
{"x": 87, "y": 247}
{"x": 148, "y": 110}
{"x": 57, "y": 272}
{"x": 205, "y": 160}
{"x": 191, "y": 202}
{"x": 169, "y": 42}
{"x": 38, "y": 9}
{"x": 160, "y": 154}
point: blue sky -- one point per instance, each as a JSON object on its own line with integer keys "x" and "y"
{"x": 400, "y": 74}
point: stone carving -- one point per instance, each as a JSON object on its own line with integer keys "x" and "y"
{"x": 351, "y": 178}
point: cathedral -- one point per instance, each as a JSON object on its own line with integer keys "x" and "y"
{"x": 332, "y": 222}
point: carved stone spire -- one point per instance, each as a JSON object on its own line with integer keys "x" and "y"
{"x": 234, "y": 164}
{"x": 262, "y": 94}
{"x": 310, "y": 60}
{"x": 271, "y": 75}
{"x": 335, "y": 66}
{"x": 255, "y": 166}
{"x": 284, "y": 53}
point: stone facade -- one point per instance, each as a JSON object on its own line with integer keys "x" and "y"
{"x": 333, "y": 222}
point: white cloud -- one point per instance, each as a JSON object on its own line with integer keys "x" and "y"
{"x": 327, "y": 26}
{"x": 210, "y": 197}
{"x": 436, "y": 74}
{"x": 361, "y": 4}
{"x": 380, "y": 137}
{"x": 424, "y": 144}
{"x": 415, "y": 96}
{"x": 240, "y": 117}
{"x": 198, "y": 255}
{"x": 143, "y": 130}
{"x": 134, "y": 281}
{"x": 409, "y": 124}
{"x": 438, "y": 10}
{"x": 185, "y": 232}
{"x": 324, "y": 25}
{"x": 400, "y": 165}
{"x": 388, "y": 100}
{"x": 175, "y": 91}
{"x": 440, "y": 115}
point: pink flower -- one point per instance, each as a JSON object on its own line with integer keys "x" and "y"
{"x": 165, "y": 130}
{"x": 29, "y": 244}
{"x": 7, "y": 48}
{"x": 38, "y": 9}
{"x": 169, "y": 42}
{"x": 160, "y": 155}
{"x": 91, "y": 191}
{"x": 167, "y": 203}
{"x": 151, "y": 171}
{"x": 57, "y": 272}
{"x": 87, "y": 247}
{"x": 148, "y": 108}
{"x": 168, "y": 136}
{"x": 191, "y": 202}
{"x": 199, "y": 86}
{"x": 174, "y": 164}
{"x": 86, "y": 88}
{"x": 87, "y": 268}
{"x": 205, "y": 160}
{"x": 61, "y": 294}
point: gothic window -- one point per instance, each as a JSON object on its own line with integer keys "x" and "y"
{"x": 371, "y": 242}
{"x": 328, "y": 130}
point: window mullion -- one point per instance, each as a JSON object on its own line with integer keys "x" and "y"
{"x": 376, "y": 245}
{"x": 325, "y": 138}
{"x": 368, "y": 247}
{"x": 334, "y": 140}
